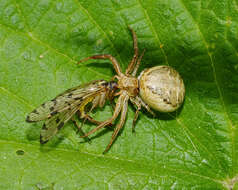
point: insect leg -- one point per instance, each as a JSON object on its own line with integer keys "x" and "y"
{"x": 95, "y": 103}
{"x": 121, "y": 123}
{"x": 102, "y": 100}
{"x": 138, "y": 64}
{"x": 79, "y": 129}
{"x": 117, "y": 110}
{"x": 136, "y": 53}
{"x": 106, "y": 56}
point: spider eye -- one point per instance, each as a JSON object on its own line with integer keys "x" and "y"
{"x": 162, "y": 88}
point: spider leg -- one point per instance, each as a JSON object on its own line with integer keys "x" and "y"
{"x": 121, "y": 123}
{"x": 134, "y": 120}
{"x": 89, "y": 118}
{"x": 138, "y": 98}
{"x": 98, "y": 100}
{"x": 138, "y": 105}
{"x": 117, "y": 110}
{"x": 136, "y": 53}
{"x": 106, "y": 56}
{"x": 138, "y": 64}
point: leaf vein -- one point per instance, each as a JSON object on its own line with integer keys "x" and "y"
{"x": 99, "y": 28}
{"x": 43, "y": 15}
{"x": 154, "y": 31}
{"x": 215, "y": 79}
{"x": 20, "y": 99}
{"x": 21, "y": 13}
{"x": 144, "y": 165}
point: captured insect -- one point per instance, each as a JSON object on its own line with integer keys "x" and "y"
{"x": 160, "y": 88}
{"x": 58, "y": 111}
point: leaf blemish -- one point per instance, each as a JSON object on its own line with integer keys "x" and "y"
{"x": 20, "y": 152}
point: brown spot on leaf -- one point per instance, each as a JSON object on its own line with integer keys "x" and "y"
{"x": 20, "y": 152}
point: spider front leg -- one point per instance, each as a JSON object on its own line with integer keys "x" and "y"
{"x": 90, "y": 119}
{"x": 106, "y": 56}
{"x": 136, "y": 53}
{"x": 109, "y": 121}
{"x": 137, "y": 64}
{"x": 121, "y": 123}
{"x": 86, "y": 117}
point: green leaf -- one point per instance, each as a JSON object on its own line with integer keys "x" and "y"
{"x": 194, "y": 148}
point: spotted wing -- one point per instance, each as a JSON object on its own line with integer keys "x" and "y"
{"x": 53, "y": 124}
{"x": 66, "y": 100}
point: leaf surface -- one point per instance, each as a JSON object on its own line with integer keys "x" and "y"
{"x": 194, "y": 148}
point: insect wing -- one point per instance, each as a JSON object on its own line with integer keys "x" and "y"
{"x": 55, "y": 123}
{"x": 65, "y": 100}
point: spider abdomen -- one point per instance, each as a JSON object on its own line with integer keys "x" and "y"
{"x": 162, "y": 88}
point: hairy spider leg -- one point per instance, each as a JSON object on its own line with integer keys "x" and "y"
{"x": 138, "y": 98}
{"x": 139, "y": 102}
{"x": 106, "y": 56}
{"x": 98, "y": 100}
{"x": 85, "y": 118}
{"x": 90, "y": 119}
{"x": 136, "y": 53}
{"x": 117, "y": 111}
{"x": 121, "y": 123}
{"x": 138, "y": 105}
{"x": 137, "y": 64}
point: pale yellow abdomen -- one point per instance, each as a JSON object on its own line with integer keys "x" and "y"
{"x": 162, "y": 88}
